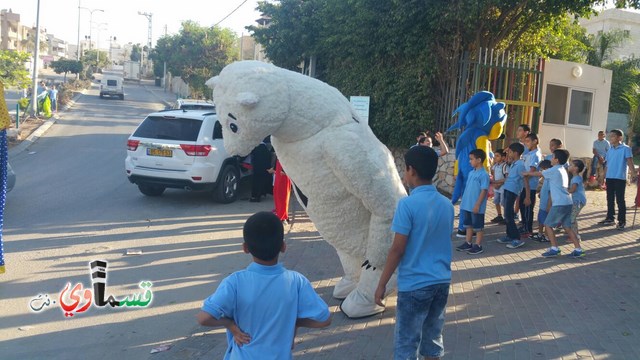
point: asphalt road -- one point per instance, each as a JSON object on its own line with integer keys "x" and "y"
{"x": 72, "y": 204}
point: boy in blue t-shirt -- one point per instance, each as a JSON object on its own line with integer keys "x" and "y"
{"x": 576, "y": 189}
{"x": 528, "y": 195}
{"x": 421, "y": 251}
{"x": 545, "y": 204}
{"x": 474, "y": 202}
{"x": 262, "y": 306}
{"x": 562, "y": 204}
{"x": 512, "y": 187}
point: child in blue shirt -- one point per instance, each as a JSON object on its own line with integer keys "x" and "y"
{"x": 528, "y": 196}
{"x": 262, "y": 306}
{"x": 561, "y": 201}
{"x": 421, "y": 251}
{"x": 512, "y": 187}
{"x": 474, "y": 202}
{"x": 545, "y": 205}
{"x": 576, "y": 189}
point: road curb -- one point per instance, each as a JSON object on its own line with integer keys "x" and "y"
{"x": 43, "y": 128}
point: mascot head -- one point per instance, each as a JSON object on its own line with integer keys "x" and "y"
{"x": 252, "y": 102}
{"x": 482, "y": 111}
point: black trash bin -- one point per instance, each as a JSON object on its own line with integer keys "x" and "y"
{"x": 158, "y": 81}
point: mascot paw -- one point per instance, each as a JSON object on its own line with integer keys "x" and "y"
{"x": 357, "y": 305}
{"x": 343, "y": 288}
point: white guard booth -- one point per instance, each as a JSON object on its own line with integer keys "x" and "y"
{"x": 575, "y": 105}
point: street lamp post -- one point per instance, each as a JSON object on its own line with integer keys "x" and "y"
{"x": 36, "y": 55}
{"x": 91, "y": 11}
{"x": 98, "y": 43}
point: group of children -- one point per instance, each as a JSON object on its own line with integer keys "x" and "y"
{"x": 262, "y": 306}
{"x": 516, "y": 173}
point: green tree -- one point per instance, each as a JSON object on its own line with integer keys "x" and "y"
{"x": 196, "y": 54}
{"x": 13, "y": 71}
{"x": 95, "y": 59}
{"x": 136, "y": 51}
{"x": 66, "y": 66}
{"x": 403, "y": 53}
{"x": 602, "y": 46}
{"x": 625, "y": 78}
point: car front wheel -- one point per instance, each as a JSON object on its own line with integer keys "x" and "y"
{"x": 151, "y": 190}
{"x": 227, "y": 190}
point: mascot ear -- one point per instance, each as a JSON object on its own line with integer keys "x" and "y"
{"x": 211, "y": 83}
{"x": 247, "y": 99}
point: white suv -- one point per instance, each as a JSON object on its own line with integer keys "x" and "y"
{"x": 182, "y": 149}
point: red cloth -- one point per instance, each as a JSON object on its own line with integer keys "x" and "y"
{"x": 281, "y": 193}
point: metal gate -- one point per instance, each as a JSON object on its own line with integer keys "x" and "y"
{"x": 514, "y": 79}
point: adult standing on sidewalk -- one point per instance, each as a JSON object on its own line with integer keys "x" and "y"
{"x": 618, "y": 160}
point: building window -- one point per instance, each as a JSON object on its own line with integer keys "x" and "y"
{"x": 580, "y": 109}
{"x": 555, "y": 104}
{"x": 560, "y": 98}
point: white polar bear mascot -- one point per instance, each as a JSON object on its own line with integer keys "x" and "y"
{"x": 348, "y": 175}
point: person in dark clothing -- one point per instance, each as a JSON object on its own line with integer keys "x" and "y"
{"x": 262, "y": 180}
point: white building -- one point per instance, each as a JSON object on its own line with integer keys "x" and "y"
{"x": 625, "y": 20}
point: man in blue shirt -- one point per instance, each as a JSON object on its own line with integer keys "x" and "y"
{"x": 421, "y": 251}
{"x": 513, "y": 185}
{"x": 600, "y": 148}
{"x": 262, "y": 306}
{"x": 618, "y": 162}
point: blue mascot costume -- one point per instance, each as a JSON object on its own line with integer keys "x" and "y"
{"x": 481, "y": 119}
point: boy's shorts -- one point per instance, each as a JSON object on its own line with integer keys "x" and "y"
{"x": 471, "y": 220}
{"x": 559, "y": 215}
{"x": 542, "y": 216}
{"x": 420, "y": 315}
{"x": 498, "y": 198}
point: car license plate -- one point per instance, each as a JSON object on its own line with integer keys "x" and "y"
{"x": 160, "y": 152}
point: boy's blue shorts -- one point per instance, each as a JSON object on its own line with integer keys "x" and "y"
{"x": 498, "y": 198}
{"x": 559, "y": 215}
{"x": 471, "y": 220}
{"x": 542, "y": 216}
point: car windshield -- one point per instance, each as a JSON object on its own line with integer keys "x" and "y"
{"x": 197, "y": 107}
{"x": 159, "y": 127}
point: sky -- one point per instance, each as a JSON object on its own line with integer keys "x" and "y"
{"x": 60, "y": 17}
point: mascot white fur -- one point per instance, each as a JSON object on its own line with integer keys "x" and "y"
{"x": 348, "y": 175}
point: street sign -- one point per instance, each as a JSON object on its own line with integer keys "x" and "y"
{"x": 361, "y": 106}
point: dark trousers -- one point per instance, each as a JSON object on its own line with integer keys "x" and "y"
{"x": 509, "y": 203}
{"x": 526, "y": 212}
{"x": 615, "y": 191}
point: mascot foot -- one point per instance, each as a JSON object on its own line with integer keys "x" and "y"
{"x": 356, "y": 305}
{"x": 343, "y": 288}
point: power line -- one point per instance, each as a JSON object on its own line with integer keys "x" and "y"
{"x": 231, "y": 13}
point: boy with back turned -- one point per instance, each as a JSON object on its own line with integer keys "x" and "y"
{"x": 263, "y": 305}
{"x": 421, "y": 251}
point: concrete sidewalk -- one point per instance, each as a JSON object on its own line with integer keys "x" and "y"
{"x": 166, "y": 97}
{"x": 503, "y": 304}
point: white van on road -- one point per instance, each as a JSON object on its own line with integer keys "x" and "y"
{"x": 112, "y": 86}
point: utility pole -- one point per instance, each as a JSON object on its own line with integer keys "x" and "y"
{"x": 36, "y": 55}
{"x": 164, "y": 70}
{"x": 149, "y": 17}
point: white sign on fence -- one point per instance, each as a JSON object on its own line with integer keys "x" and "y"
{"x": 361, "y": 106}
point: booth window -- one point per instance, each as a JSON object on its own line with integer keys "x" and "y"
{"x": 560, "y": 98}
